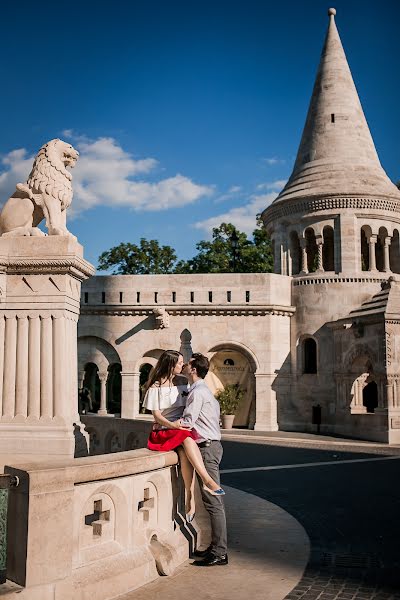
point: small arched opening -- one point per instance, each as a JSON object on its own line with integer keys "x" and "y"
{"x": 328, "y": 249}
{"x": 312, "y": 250}
{"x": 309, "y": 356}
{"x": 295, "y": 253}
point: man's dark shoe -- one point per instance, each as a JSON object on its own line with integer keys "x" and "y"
{"x": 202, "y": 553}
{"x": 212, "y": 561}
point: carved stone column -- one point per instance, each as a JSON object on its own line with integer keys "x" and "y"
{"x": 386, "y": 259}
{"x": 40, "y": 280}
{"x": 304, "y": 266}
{"x": 371, "y": 246}
{"x": 103, "y": 393}
{"x": 320, "y": 245}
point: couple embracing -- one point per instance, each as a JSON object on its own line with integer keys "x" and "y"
{"x": 187, "y": 420}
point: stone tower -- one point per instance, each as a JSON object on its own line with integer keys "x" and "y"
{"x": 335, "y": 229}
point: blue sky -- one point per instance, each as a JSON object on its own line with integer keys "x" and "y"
{"x": 185, "y": 113}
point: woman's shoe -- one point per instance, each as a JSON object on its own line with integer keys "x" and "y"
{"x": 190, "y": 517}
{"x": 218, "y": 492}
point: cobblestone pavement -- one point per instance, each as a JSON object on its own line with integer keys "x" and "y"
{"x": 351, "y": 511}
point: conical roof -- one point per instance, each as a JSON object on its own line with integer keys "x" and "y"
{"x": 337, "y": 155}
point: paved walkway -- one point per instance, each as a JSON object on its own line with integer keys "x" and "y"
{"x": 268, "y": 552}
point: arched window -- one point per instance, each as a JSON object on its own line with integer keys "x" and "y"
{"x": 394, "y": 252}
{"x": 379, "y": 248}
{"x": 310, "y": 356}
{"x": 312, "y": 250}
{"x": 370, "y": 397}
{"x": 295, "y": 253}
{"x": 364, "y": 250}
{"x": 328, "y": 249}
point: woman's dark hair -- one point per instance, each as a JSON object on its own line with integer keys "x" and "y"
{"x": 200, "y": 363}
{"x": 163, "y": 369}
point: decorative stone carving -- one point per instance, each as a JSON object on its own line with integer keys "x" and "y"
{"x": 46, "y": 195}
{"x": 162, "y": 317}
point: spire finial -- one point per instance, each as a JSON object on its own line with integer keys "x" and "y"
{"x": 331, "y": 12}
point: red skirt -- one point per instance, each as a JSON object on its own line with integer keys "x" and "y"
{"x": 163, "y": 440}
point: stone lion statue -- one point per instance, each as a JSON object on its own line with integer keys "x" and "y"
{"x": 46, "y": 195}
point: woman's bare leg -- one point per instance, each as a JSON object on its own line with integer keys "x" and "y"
{"x": 194, "y": 456}
{"x": 188, "y": 480}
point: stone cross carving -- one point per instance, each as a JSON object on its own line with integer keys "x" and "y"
{"x": 98, "y": 518}
{"x": 146, "y": 505}
{"x": 46, "y": 194}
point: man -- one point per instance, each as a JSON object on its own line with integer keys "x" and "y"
{"x": 202, "y": 414}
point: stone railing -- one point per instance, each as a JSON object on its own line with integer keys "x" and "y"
{"x": 97, "y": 526}
{"x": 109, "y": 434}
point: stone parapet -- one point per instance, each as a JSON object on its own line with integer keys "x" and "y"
{"x": 94, "y": 527}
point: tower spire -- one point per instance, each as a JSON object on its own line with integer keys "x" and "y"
{"x": 336, "y": 153}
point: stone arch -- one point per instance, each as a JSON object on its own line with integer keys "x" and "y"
{"x": 132, "y": 441}
{"x": 365, "y": 235}
{"x": 358, "y": 354}
{"x": 394, "y": 252}
{"x": 295, "y": 253}
{"x": 96, "y": 351}
{"x": 231, "y": 363}
{"x": 91, "y": 382}
{"x": 311, "y": 249}
{"x": 94, "y": 440}
{"x": 328, "y": 249}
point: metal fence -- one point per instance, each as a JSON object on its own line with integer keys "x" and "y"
{"x": 6, "y": 482}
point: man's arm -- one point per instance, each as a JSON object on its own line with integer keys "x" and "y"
{"x": 192, "y": 409}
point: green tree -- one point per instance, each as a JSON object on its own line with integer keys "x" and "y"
{"x": 220, "y": 256}
{"x": 131, "y": 259}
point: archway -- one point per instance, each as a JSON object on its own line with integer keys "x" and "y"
{"x": 379, "y": 248}
{"x": 365, "y": 235}
{"x": 230, "y": 365}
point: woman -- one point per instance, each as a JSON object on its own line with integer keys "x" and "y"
{"x": 165, "y": 396}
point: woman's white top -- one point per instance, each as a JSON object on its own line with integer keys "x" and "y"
{"x": 169, "y": 400}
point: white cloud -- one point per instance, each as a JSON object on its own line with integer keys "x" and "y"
{"x": 243, "y": 217}
{"x": 273, "y": 161}
{"x": 233, "y": 191}
{"x": 277, "y": 185}
{"x": 108, "y": 175}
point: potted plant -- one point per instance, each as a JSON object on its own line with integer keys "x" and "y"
{"x": 229, "y": 399}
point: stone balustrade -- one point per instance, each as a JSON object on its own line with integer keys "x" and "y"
{"x": 97, "y": 526}
{"x": 108, "y": 435}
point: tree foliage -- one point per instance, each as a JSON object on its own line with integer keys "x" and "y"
{"x": 218, "y": 255}
{"x": 130, "y": 259}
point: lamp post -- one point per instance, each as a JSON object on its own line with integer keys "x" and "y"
{"x": 234, "y": 244}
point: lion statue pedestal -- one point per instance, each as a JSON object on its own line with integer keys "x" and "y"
{"x": 40, "y": 284}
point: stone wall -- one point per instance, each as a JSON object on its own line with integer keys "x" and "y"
{"x": 96, "y": 526}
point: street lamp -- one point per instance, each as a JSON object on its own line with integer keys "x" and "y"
{"x": 234, "y": 245}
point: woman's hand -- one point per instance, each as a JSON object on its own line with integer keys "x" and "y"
{"x": 178, "y": 425}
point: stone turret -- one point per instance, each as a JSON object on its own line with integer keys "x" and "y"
{"x": 339, "y": 211}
